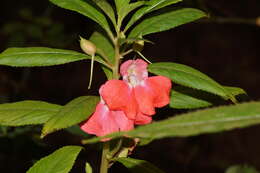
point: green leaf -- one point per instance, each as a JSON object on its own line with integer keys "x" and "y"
{"x": 150, "y": 6}
{"x": 40, "y": 56}
{"x": 72, "y": 113}
{"x": 166, "y": 21}
{"x": 188, "y": 98}
{"x": 27, "y": 113}
{"x": 106, "y": 7}
{"x": 235, "y": 91}
{"x": 85, "y": 8}
{"x": 125, "y": 10}
{"x": 199, "y": 122}
{"x": 189, "y": 77}
{"x": 138, "y": 166}
{"x": 158, "y": 4}
{"x": 88, "y": 168}
{"x": 144, "y": 141}
{"x": 120, "y": 4}
{"x": 76, "y": 130}
{"x": 108, "y": 72}
{"x": 241, "y": 169}
{"x": 104, "y": 46}
{"x": 61, "y": 161}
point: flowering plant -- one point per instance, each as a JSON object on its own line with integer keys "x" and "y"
{"x": 129, "y": 98}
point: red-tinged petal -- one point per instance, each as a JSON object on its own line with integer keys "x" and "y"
{"x": 122, "y": 121}
{"x": 118, "y": 96}
{"x": 125, "y": 66}
{"x": 161, "y": 87}
{"x": 134, "y": 68}
{"x": 101, "y": 123}
{"x": 115, "y": 93}
{"x": 144, "y": 96}
{"x": 142, "y": 119}
{"x": 141, "y": 65}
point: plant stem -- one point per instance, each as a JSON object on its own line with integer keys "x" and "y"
{"x": 127, "y": 52}
{"x": 106, "y": 148}
{"x": 104, "y": 161}
{"x": 117, "y": 61}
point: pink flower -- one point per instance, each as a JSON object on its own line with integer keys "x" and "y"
{"x": 104, "y": 121}
{"x": 129, "y": 101}
{"x": 137, "y": 95}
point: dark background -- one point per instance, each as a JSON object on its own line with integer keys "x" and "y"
{"x": 225, "y": 46}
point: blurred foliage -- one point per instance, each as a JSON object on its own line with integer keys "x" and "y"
{"x": 31, "y": 28}
{"x": 241, "y": 169}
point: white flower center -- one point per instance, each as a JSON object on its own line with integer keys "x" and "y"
{"x": 134, "y": 77}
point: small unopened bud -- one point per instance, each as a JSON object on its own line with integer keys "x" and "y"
{"x": 122, "y": 35}
{"x": 87, "y": 46}
{"x": 138, "y": 45}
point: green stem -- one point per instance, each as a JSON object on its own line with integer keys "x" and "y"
{"x": 127, "y": 52}
{"x": 106, "y": 148}
{"x": 104, "y": 161}
{"x": 117, "y": 61}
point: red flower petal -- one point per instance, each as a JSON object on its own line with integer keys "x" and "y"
{"x": 104, "y": 122}
{"x": 122, "y": 121}
{"x": 161, "y": 87}
{"x": 119, "y": 96}
{"x": 144, "y": 96}
{"x": 125, "y": 66}
{"x": 142, "y": 119}
{"x": 137, "y": 67}
{"x": 101, "y": 122}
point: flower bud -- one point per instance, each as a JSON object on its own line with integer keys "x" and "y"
{"x": 138, "y": 45}
{"x": 87, "y": 46}
{"x": 122, "y": 35}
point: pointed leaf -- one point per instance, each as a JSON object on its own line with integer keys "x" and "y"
{"x": 188, "y": 98}
{"x": 72, "y": 113}
{"x": 61, "y": 161}
{"x": 189, "y": 77}
{"x": 150, "y": 6}
{"x": 85, "y": 8}
{"x": 138, "y": 166}
{"x": 195, "y": 123}
{"x": 88, "y": 168}
{"x": 158, "y": 4}
{"x": 106, "y": 7}
{"x": 27, "y": 113}
{"x": 235, "y": 90}
{"x": 125, "y": 10}
{"x": 166, "y": 21}
{"x": 40, "y": 56}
